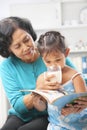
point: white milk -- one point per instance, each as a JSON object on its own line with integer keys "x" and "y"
{"x": 56, "y": 71}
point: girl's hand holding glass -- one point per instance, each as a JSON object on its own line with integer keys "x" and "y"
{"x": 51, "y": 79}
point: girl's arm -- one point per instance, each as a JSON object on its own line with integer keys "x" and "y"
{"x": 79, "y": 84}
{"x": 81, "y": 103}
{"x": 71, "y": 64}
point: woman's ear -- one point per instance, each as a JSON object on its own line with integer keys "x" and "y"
{"x": 67, "y": 52}
{"x": 9, "y": 50}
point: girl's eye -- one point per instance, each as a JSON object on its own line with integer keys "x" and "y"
{"x": 48, "y": 62}
{"x": 58, "y": 60}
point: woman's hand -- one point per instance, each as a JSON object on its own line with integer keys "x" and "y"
{"x": 39, "y": 102}
{"x": 46, "y": 83}
{"x": 69, "y": 109}
{"x": 80, "y": 104}
{"x": 28, "y": 100}
{"x": 35, "y": 100}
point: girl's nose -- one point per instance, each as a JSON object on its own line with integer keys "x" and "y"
{"x": 55, "y": 64}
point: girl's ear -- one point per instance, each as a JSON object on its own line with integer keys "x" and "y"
{"x": 67, "y": 52}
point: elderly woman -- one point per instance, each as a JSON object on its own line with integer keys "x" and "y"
{"x": 19, "y": 71}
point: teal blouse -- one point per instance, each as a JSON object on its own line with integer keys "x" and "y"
{"x": 17, "y": 75}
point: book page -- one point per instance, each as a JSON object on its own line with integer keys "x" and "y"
{"x": 56, "y": 96}
{"x": 49, "y": 95}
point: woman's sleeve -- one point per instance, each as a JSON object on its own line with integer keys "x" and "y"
{"x": 70, "y": 63}
{"x": 10, "y": 84}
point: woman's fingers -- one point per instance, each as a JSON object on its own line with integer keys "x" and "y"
{"x": 76, "y": 108}
{"x": 69, "y": 110}
{"x": 66, "y": 111}
{"x": 82, "y": 102}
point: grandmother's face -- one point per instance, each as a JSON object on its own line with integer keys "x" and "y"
{"x": 22, "y": 45}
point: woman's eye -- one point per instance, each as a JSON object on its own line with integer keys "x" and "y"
{"x": 57, "y": 60}
{"x": 26, "y": 40}
{"x": 18, "y": 46}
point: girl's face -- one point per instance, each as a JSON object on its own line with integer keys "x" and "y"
{"x": 54, "y": 59}
{"x": 22, "y": 45}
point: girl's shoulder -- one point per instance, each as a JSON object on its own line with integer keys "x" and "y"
{"x": 69, "y": 73}
{"x": 69, "y": 70}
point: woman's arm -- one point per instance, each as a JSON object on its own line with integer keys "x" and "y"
{"x": 20, "y": 101}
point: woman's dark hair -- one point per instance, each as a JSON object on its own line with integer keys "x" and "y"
{"x": 7, "y": 27}
{"x": 50, "y": 41}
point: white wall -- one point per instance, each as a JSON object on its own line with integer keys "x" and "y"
{"x": 3, "y": 103}
{"x": 5, "y": 5}
{"x": 3, "y": 106}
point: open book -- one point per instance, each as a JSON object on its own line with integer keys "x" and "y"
{"x": 52, "y": 96}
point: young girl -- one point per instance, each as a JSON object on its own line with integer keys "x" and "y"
{"x": 54, "y": 50}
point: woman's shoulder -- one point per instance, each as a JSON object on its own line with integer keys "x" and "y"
{"x": 70, "y": 63}
{"x": 7, "y": 64}
{"x": 6, "y": 61}
{"x": 4, "y": 67}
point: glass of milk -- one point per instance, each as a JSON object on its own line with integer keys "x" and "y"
{"x": 56, "y": 71}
